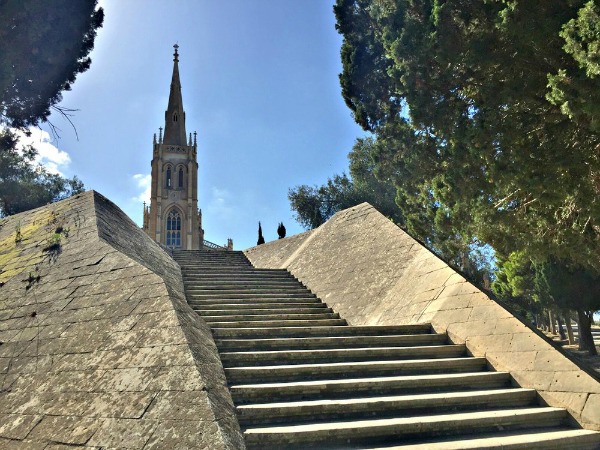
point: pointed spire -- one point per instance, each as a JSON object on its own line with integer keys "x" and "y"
{"x": 175, "y": 115}
{"x": 190, "y": 140}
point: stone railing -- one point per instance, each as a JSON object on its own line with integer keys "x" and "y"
{"x": 212, "y": 246}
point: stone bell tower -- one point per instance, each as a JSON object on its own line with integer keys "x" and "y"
{"x": 173, "y": 218}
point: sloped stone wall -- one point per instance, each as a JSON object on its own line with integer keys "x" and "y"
{"x": 373, "y": 273}
{"x": 99, "y": 348}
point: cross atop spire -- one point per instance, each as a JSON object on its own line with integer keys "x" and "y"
{"x": 176, "y": 55}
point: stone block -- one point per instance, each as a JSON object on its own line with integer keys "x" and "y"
{"x": 469, "y": 330}
{"x": 528, "y": 340}
{"x": 123, "y": 433}
{"x": 488, "y": 312}
{"x": 65, "y": 429}
{"x": 17, "y": 426}
{"x": 181, "y": 406}
{"x": 539, "y": 381}
{"x": 574, "y": 381}
{"x": 123, "y": 405}
{"x": 177, "y": 378}
{"x": 185, "y": 435}
{"x": 134, "y": 379}
{"x": 590, "y": 415}
{"x": 573, "y": 402}
{"x": 550, "y": 359}
{"x": 507, "y": 361}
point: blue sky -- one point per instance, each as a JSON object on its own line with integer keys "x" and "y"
{"x": 260, "y": 86}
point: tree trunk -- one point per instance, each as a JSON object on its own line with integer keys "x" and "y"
{"x": 586, "y": 340}
{"x": 561, "y": 330}
{"x": 543, "y": 324}
{"x": 569, "y": 329}
{"x": 552, "y": 322}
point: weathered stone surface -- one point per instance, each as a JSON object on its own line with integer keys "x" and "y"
{"x": 372, "y": 272}
{"x": 98, "y": 347}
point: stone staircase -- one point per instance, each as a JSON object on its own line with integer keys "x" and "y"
{"x": 300, "y": 377}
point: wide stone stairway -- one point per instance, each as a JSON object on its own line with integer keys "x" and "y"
{"x": 300, "y": 377}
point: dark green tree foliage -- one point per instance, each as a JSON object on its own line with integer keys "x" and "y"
{"x": 44, "y": 46}
{"x": 281, "y": 231}
{"x": 479, "y": 149}
{"x": 530, "y": 287}
{"x": 571, "y": 90}
{"x": 315, "y": 205}
{"x": 515, "y": 284}
{"x": 572, "y": 287}
{"x": 23, "y": 185}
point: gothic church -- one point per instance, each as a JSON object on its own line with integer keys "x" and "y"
{"x": 173, "y": 218}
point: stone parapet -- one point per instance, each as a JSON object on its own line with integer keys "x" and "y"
{"x": 373, "y": 273}
{"x": 99, "y": 348}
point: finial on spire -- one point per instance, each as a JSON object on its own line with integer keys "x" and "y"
{"x": 160, "y": 140}
{"x": 195, "y": 139}
{"x": 176, "y": 54}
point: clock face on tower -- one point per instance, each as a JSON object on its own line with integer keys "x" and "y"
{"x": 174, "y": 195}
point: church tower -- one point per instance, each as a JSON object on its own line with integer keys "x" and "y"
{"x": 173, "y": 218}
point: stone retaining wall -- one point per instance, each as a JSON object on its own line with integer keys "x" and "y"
{"x": 373, "y": 273}
{"x": 98, "y": 346}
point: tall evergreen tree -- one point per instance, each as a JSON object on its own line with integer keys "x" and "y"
{"x": 261, "y": 239}
{"x": 456, "y": 94}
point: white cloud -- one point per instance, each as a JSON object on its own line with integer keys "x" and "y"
{"x": 143, "y": 183}
{"x": 49, "y": 156}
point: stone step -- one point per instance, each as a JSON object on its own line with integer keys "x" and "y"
{"x": 347, "y": 388}
{"x": 273, "y": 357}
{"x": 219, "y": 284}
{"x": 319, "y": 330}
{"x": 229, "y": 269}
{"x": 532, "y": 439}
{"x": 264, "y": 312}
{"x": 257, "y": 301}
{"x": 330, "y": 342}
{"x": 196, "y": 258}
{"x": 238, "y": 278}
{"x": 223, "y": 292}
{"x": 279, "y": 323}
{"x": 270, "y": 317}
{"x": 359, "y": 431}
{"x": 324, "y": 384}
{"x": 259, "y": 306}
{"x": 278, "y": 295}
{"x": 214, "y": 265}
{"x": 222, "y": 256}
{"x": 340, "y": 370}
{"x": 382, "y": 406}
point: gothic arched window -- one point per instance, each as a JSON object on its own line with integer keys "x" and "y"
{"x": 174, "y": 229}
{"x": 174, "y": 117}
{"x": 180, "y": 181}
{"x": 168, "y": 178}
